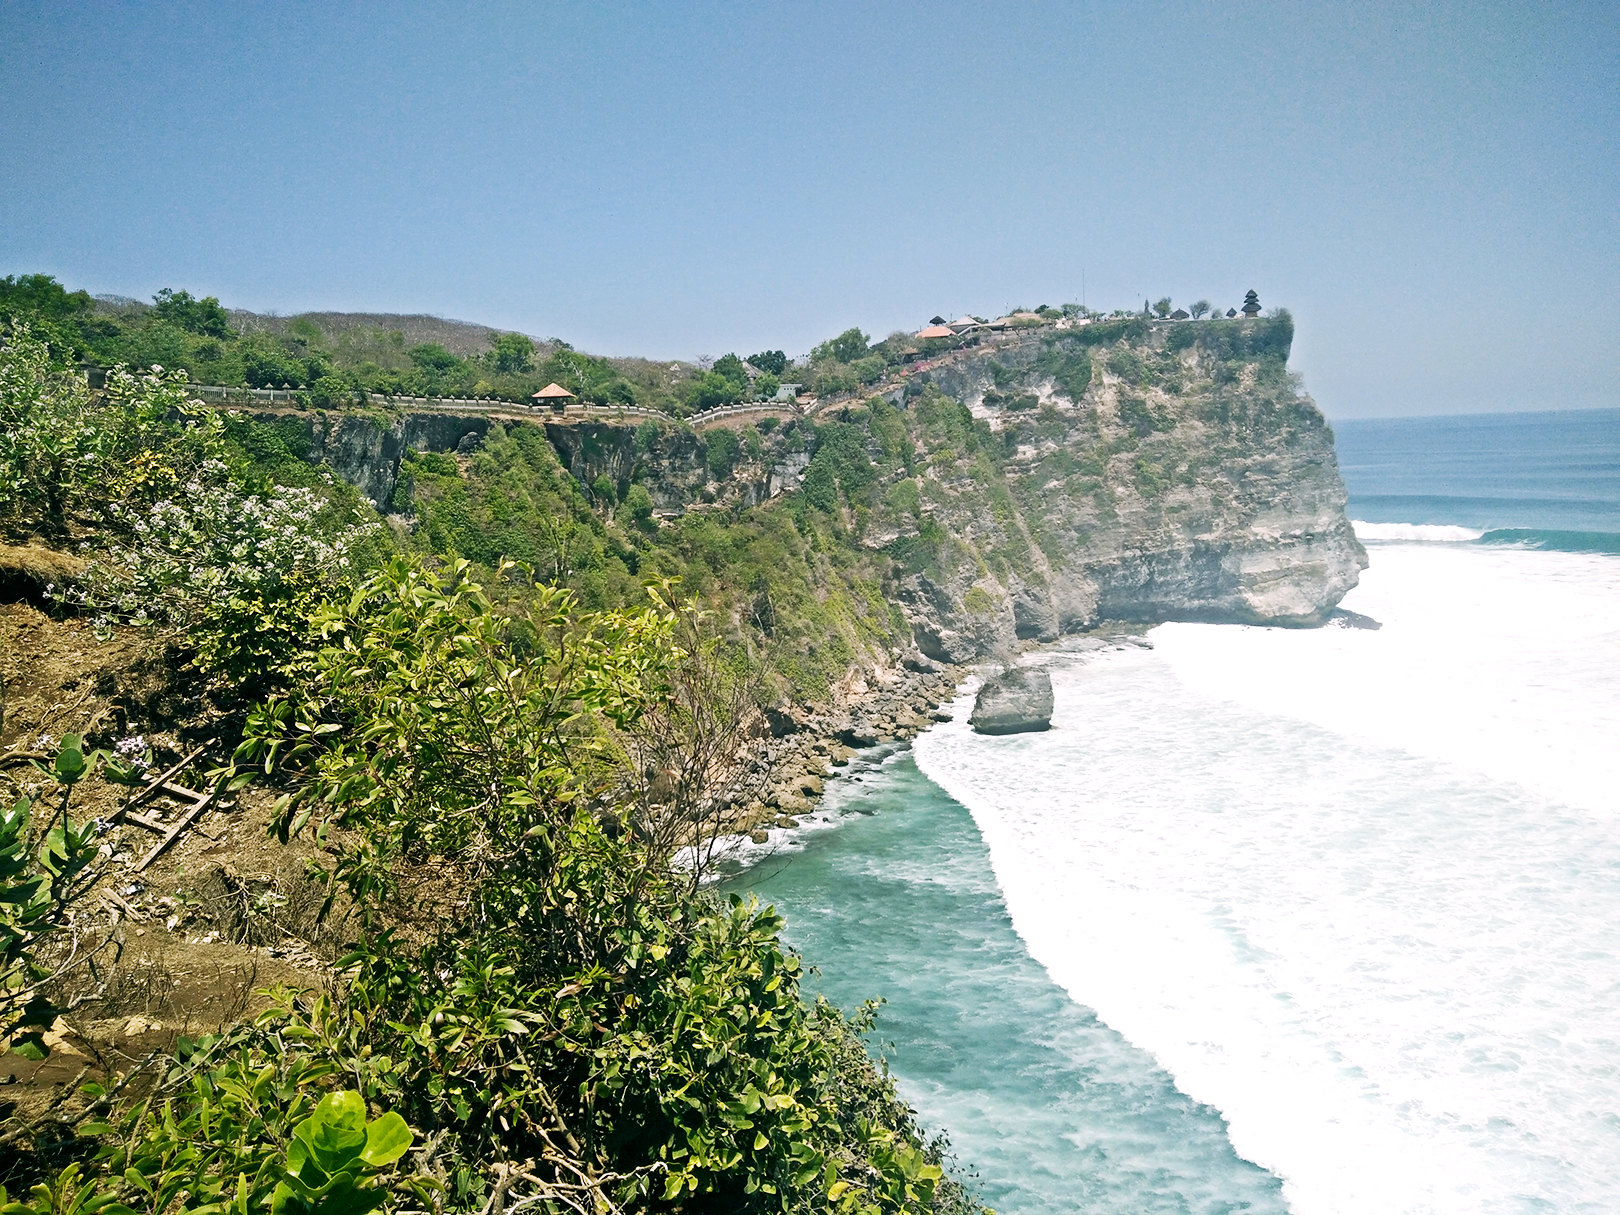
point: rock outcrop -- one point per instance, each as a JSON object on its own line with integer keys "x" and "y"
{"x": 1017, "y": 701}
{"x": 1155, "y": 473}
{"x": 1032, "y": 487}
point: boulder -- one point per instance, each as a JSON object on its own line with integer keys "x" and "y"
{"x": 1013, "y": 702}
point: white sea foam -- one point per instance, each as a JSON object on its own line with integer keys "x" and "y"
{"x": 1429, "y": 533}
{"x": 1359, "y": 890}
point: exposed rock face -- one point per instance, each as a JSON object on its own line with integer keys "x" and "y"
{"x": 1144, "y": 482}
{"x": 1122, "y": 471}
{"x": 1017, "y": 701}
{"x": 366, "y": 452}
{"x": 670, "y": 460}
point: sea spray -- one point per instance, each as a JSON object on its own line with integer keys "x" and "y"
{"x": 1052, "y": 1109}
{"x": 1391, "y": 968}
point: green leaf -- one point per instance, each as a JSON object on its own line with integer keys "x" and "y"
{"x": 335, "y": 1132}
{"x": 387, "y": 1139}
{"x": 285, "y": 1202}
{"x": 70, "y": 763}
{"x": 31, "y": 1046}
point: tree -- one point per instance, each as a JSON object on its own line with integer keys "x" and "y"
{"x": 721, "y": 453}
{"x": 845, "y": 348}
{"x": 57, "y": 317}
{"x": 638, "y": 501}
{"x": 204, "y": 316}
{"x": 433, "y": 358}
{"x": 266, "y": 363}
{"x": 1199, "y": 308}
{"x": 767, "y": 386}
{"x": 730, "y": 366}
{"x": 772, "y": 361}
{"x": 1163, "y": 307}
{"x": 712, "y": 391}
{"x": 512, "y": 354}
{"x": 40, "y": 295}
{"x": 331, "y": 392}
{"x": 1251, "y": 303}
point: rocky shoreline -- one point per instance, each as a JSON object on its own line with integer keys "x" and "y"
{"x": 785, "y": 772}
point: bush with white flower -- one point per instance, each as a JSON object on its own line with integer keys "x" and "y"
{"x": 67, "y": 455}
{"x": 228, "y": 574}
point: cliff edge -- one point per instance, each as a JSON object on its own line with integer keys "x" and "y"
{"x": 1146, "y": 472}
{"x": 1034, "y": 485}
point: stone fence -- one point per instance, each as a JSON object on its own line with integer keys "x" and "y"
{"x": 764, "y": 408}
{"x": 223, "y": 395}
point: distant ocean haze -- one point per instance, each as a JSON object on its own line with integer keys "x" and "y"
{"x": 1524, "y": 472}
{"x": 1340, "y": 903}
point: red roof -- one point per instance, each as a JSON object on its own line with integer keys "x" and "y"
{"x": 550, "y": 392}
{"x": 937, "y": 331}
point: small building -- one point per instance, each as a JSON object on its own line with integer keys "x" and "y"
{"x": 963, "y": 323}
{"x": 936, "y": 331}
{"x": 938, "y": 320}
{"x": 554, "y": 396}
{"x": 1230, "y": 313}
{"x": 1180, "y": 314}
{"x": 788, "y": 392}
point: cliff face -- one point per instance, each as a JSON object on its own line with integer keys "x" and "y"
{"x": 1148, "y": 477}
{"x": 1120, "y": 471}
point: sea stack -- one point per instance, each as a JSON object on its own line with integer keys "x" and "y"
{"x": 1016, "y": 701}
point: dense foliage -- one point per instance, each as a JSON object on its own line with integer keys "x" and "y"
{"x": 499, "y": 761}
{"x": 180, "y": 332}
{"x": 567, "y": 1020}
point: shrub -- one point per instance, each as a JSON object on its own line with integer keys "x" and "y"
{"x": 627, "y": 1027}
{"x": 845, "y": 348}
{"x": 231, "y": 575}
{"x": 720, "y": 453}
{"x": 638, "y": 502}
{"x": 64, "y": 458}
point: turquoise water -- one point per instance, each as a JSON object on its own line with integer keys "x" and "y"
{"x": 1357, "y": 892}
{"x": 1054, "y": 1110}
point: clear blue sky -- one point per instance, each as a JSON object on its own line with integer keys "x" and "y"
{"x": 1433, "y": 189}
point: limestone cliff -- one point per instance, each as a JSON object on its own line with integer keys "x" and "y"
{"x": 1032, "y": 486}
{"x": 1142, "y": 472}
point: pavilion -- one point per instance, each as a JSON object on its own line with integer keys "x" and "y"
{"x": 554, "y": 395}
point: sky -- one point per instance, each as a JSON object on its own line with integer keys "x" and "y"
{"x": 1432, "y": 190}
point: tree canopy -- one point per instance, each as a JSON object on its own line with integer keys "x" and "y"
{"x": 845, "y": 348}
{"x": 204, "y": 317}
{"x": 772, "y": 361}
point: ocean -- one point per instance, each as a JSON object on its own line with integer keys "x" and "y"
{"x": 1277, "y": 920}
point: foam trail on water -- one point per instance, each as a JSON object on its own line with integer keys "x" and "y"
{"x": 1434, "y": 533}
{"x": 1359, "y": 890}
{"x": 1504, "y": 662}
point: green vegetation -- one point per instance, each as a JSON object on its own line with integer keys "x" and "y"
{"x": 179, "y": 332}
{"x": 495, "y": 692}
{"x": 599, "y": 1034}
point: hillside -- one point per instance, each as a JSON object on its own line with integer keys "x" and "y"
{"x": 333, "y": 359}
{"x": 424, "y": 758}
{"x": 1121, "y": 471}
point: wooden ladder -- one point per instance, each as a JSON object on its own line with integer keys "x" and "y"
{"x": 189, "y": 804}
